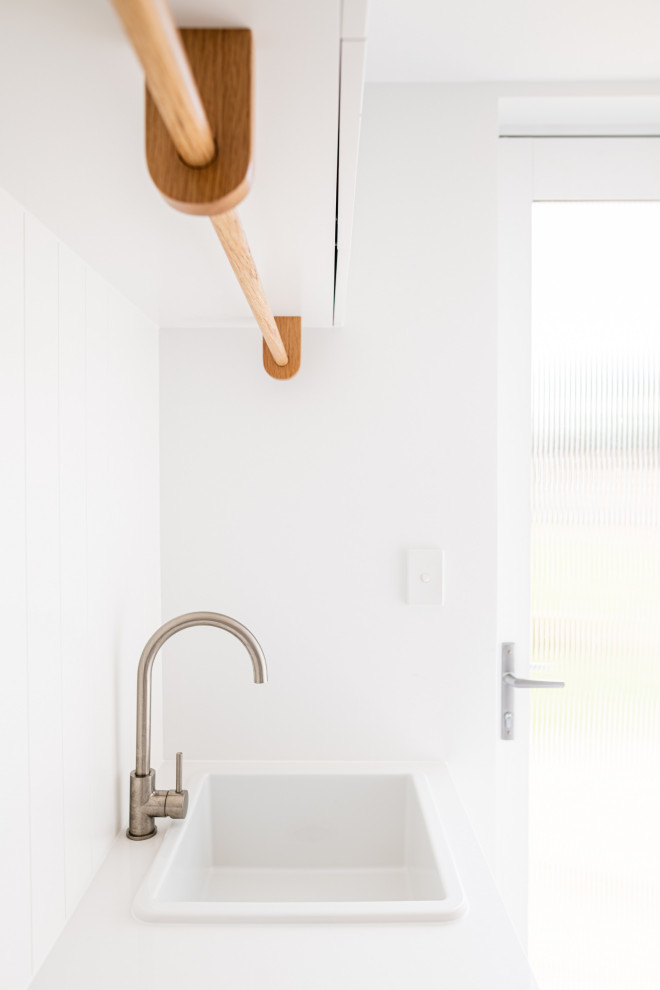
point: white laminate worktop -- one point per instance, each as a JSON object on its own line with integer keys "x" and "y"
{"x": 104, "y": 948}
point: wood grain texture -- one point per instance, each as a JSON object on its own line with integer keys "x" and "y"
{"x": 290, "y": 328}
{"x": 221, "y": 61}
{"x": 151, "y": 29}
{"x": 232, "y": 237}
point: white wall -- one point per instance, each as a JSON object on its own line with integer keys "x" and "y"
{"x": 79, "y": 581}
{"x": 289, "y": 505}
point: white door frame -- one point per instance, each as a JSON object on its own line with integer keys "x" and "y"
{"x": 535, "y": 169}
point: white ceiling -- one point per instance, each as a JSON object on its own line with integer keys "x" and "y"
{"x": 513, "y": 40}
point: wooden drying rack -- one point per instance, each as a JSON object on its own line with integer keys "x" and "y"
{"x": 199, "y": 144}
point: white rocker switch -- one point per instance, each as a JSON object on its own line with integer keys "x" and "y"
{"x": 425, "y": 577}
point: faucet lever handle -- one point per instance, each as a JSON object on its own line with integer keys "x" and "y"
{"x": 179, "y": 772}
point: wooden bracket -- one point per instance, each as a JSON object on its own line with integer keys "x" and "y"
{"x": 221, "y": 62}
{"x": 290, "y": 328}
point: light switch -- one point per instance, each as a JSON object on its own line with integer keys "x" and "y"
{"x": 424, "y": 578}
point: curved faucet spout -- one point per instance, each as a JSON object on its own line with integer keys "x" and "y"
{"x": 143, "y": 753}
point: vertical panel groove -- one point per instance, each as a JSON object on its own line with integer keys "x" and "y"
{"x": 59, "y": 555}
{"x": 87, "y": 635}
{"x": 27, "y": 654}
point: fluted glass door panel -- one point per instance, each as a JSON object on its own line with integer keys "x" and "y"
{"x": 594, "y": 909}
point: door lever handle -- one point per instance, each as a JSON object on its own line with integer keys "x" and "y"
{"x": 523, "y": 682}
{"x": 509, "y": 683}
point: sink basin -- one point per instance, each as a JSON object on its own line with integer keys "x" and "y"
{"x": 300, "y": 847}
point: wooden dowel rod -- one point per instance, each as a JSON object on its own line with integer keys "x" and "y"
{"x": 151, "y": 29}
{"x": 232, "y": 237}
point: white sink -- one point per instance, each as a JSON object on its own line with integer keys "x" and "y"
{"x": 298, "y": 847}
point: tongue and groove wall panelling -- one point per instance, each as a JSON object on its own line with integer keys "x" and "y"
{"x": 80, "y": 572}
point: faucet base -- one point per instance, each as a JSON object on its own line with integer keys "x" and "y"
{"x": 138, "y": 838}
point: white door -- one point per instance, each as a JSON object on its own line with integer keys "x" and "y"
{"x": 552, "y": 170}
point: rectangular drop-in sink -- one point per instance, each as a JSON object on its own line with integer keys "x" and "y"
{"x": 296, "y": 847}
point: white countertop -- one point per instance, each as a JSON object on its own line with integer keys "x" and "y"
{"x": 104, "y": 948}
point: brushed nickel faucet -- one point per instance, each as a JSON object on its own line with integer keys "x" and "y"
{"x": 147, "y": 803}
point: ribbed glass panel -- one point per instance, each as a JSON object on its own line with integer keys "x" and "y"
{"x": 595, "y": 747}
